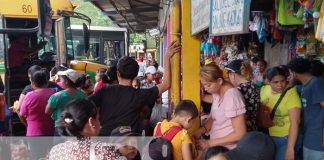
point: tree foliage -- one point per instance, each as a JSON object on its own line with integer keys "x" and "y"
{"x": 95, "y": 14}
{"x": 137, "y": 38}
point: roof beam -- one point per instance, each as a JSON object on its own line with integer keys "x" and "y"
{"x": 139, "y": 23}
{"x": 134, "y": 10}
{"x": 149, "y": 4}
{"x": 134, "y": 20}
{"x": 129, "y": 26}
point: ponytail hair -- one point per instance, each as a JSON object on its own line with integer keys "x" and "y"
{"x": 75, "y": 116}
{"x": 246, "y": 71}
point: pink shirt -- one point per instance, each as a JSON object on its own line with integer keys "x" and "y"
{"x": 222, "y": 111}
{"x": 33, "y": 107}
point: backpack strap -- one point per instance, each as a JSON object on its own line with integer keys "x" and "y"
{"x": 170, "y": 133}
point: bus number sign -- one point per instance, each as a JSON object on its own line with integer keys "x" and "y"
{"x": 27, "y": 8}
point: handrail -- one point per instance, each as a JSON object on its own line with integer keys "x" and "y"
{"x": 19, "y": 30}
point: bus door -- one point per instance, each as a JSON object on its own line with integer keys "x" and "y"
{"x": 65, "y": 51}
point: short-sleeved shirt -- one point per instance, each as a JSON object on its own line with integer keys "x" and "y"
{"x": 178, "y": 140}
{"x": 232, "y": 105}
{"x": 121, "y": 106}
{"x": 99, "y": 85}
{"x": 59, "y": 100}
{"x": 312, "y": 95}
{"x": 33, "y": 108}
{"x": 281, "y": 118}
{"x": 251, "y": 95}
{"x": 80, "y": 150}
{"x": 52, "y": 85}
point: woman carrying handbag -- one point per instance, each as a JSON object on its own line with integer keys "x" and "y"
{"x": 283, "y": 107}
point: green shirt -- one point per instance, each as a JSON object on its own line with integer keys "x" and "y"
{"x": 59, "y": 100}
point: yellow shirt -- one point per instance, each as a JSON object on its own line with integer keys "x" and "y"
{"x": 178, "y": 140}
{"x": 281, "y": 118}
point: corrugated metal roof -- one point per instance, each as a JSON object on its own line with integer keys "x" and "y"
{"x": 136, "y": 15}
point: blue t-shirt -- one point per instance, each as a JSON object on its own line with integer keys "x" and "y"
{"x": 312, "y": 95}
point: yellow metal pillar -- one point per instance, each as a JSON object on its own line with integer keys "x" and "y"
{"x": 175, "y": 62}
{"x": 190, "y": 61}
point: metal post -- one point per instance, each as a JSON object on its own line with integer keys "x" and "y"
{"x": 175, "y": 62}
{"x": 190, "y": 60}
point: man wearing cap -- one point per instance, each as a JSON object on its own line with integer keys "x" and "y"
{"x": 148, "y": 82}
{"x": 120, "y": 105}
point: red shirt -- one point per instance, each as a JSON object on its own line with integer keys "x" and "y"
{"x": 100, "y": 85}
{"x": 17, "y": 51}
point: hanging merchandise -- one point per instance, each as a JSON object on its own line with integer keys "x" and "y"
{"x": 301, "y": 41}
{"x": 320, "y": 27}
{"x": 208, "y": 49}
{"x": 311, "y": 44}
{"x": 231, "y": 49}
{"x": 257, "y": 16}
{"x": 311, "y": 11}
{"x": 253, "y": 49}
{"x": 284, "y": 18}
{"x": 292, "y": 46}
{"x": 259, "y": 25}
{"x": 320, "y": 49}
{"x": 294, "y": 8}
{"x": 275, "y": 32}
{"x": 262, "y": 31}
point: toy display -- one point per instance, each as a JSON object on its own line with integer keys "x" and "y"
{"x": 311, "y": 44}
{"x": 208, "y": 49}
{"x": 301, "y": 41}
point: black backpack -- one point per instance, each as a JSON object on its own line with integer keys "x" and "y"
{"x": 160, "y": 148}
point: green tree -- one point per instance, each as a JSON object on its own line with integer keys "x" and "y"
{"x": 137, "y": 38}
{"x": 95, "y": 14}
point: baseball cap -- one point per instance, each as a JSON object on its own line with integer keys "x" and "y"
{"x": 234, "y": 66}
{"x": 123, "y": 131}
{"x": 71, "y": 74}
{"x": 150, "y": 69}
{"x": 253, "y": 146}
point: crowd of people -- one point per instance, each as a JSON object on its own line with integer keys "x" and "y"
{"x": 121, "y": 103}
{"x": 291, "y": 94}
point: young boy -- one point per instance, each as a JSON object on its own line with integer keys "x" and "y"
{"x": 185, "y": 113}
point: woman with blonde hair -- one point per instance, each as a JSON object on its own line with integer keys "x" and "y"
{"x": 241, "y": 75}
{"x": 226, "y": 124}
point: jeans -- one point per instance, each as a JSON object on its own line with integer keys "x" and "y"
{"x": 312, "y": 154}
{"x": 299, "y": 148}
{"x": 281, "y": 145}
